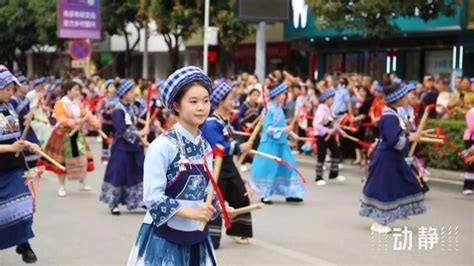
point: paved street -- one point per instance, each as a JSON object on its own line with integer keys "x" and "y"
{"x": 325, "y": 229}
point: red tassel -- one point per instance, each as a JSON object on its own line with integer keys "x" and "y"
{"x": 219, "y": 196}
{"x": 217, "y": 152}
{"x": 287, "y": 164}
{"x": 148, "y": 97}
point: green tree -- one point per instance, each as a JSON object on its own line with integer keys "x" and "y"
{"x": 374, "y": 19}
{"x": 231, "y": 33}
{"x": 115, "y": 16}
{"x": 45, "y": 17}
{"x": 176, "y": 20}
{"x": 18, "y": 31}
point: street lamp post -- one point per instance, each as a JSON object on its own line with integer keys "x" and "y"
{"x": 206, "y": 41}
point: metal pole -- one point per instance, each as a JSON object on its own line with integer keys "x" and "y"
{"x": 206, "y": 26}
{"x": 145, "y": 53}
{"x": 260, "y": 52}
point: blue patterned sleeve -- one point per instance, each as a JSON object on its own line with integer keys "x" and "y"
{"x": 270, "y": 124}
{"x": 392, "y": 133}
{"x": 212, "y": 132}
{"x": 161, "y": 207}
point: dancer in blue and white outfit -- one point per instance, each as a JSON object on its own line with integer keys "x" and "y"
{"x": 123, "y": 180}
{"x": 16, "y": 201}
{"x": 22, "y": 107}
{"x": 270, "y": 177}
{"x": 392, "y": 191}
{"x": 175, "y": 180}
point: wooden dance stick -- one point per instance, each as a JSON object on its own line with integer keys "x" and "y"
{"x": 266, "y": 155}
{"x": 430, "y": 135}
{"x": 74, "y": 131}
{"x": 217, "y": 171}
{"x": 427, "y": 131}
{"x": 246, "y": 209}
{"x": 27, "y": 128}
{"x": 102, "y": 134}
{"x": 421, "y": 126}
{"x": 295, "y": 136}
{"x": 252, "y": 137}
{"x": 51, "y": 160}
{"x": 349, "y": 128}
{"x": 241, "y": 133}
{"x": 431, "y": 140}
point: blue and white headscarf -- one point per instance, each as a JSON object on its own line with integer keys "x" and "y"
{"x": 159, "y": 83}
{"x": 278, "y": 90}
{"x": 125, "y": 85}
{"x": 22, "y": 79}
{"x": 6, "y": 77}
{"x": 37, "y": 82}
{"x": 178, "y": 80}
{"x": 219, "y": 92}
{"x": 108, "y": 83}
{"x": 399, "y": 93}
{"x": 327, "y": 93}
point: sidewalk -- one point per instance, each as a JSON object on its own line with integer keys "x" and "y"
{"x": 437, "y": 175}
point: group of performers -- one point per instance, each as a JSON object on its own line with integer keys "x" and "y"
{"x": 171, "y": 151}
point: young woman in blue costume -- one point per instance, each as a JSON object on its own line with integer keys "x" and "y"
{"x": 270, "y": 177}
{"x": 22, "y": 107}
{"x": 392, "y": 191}
{"x": 107, "y": 106}
{"x": 123, "y": 180}
{"x": 217, "y": 130}
{"x": 176, "y": 181}
{"x": 16, "y": 201}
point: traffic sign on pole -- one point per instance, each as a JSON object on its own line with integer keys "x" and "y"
{"x": 80, "y": 49}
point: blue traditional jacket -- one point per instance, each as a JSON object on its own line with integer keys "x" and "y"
{"x": 175, "y": 177}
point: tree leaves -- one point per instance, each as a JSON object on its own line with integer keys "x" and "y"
{"x": 374, "y": 18}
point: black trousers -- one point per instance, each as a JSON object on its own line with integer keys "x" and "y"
{"x": 234, "y": 192}
{"x": 323, "y": 146}
{"x": 468, "y": 183}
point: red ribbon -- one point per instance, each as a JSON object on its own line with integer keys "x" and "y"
{"x": 364, "y": 144}
{"x": 347, "y": 120}
{"x": 148, "y": 97}
{"x": 218, "y": 152}
{"x": 287, "y": 164}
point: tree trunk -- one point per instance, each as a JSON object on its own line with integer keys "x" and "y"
{"x": 22, "y": 61}
{"x": 373, "y": 58}
{"x": 174, "y": 57}
{"x": 127, "y": 54}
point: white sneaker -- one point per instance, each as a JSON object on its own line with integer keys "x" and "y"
{"x": 62, "y": 192}
{"x": 320, "y": 183}
{"x": 382, "y": 229}
{"x": 340, "y": 178}
{"x": 241, "y": 240}
{"x": 99, "y": 139}
{"x": 244, "y": 168}
{"x": 85, "y": 187}
{"x": 467, "y": 192}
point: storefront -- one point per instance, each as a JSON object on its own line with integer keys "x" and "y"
{"x": 421, "y": 47}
